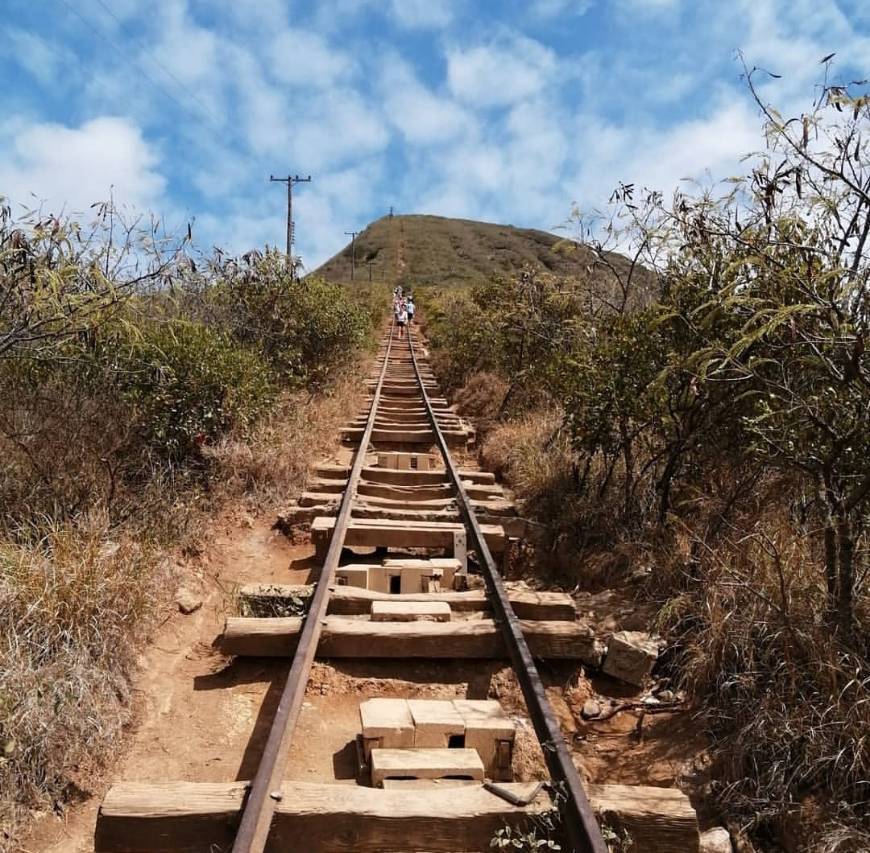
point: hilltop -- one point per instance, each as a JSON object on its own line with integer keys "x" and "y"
{"x": 420, "y": 249}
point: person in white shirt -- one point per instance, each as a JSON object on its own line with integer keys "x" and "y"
{"x": 402, "y": 318}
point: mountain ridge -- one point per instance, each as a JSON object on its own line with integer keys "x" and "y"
{"x": 422, "y": 249}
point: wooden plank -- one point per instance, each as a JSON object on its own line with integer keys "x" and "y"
{"x": 353, "y": 601}
{"x": 659, "y": 820}
{"x": 344, "y": 637}
{"x": 391, "y": 475}
{"x": 183, "y": 817}
{"x": 367, "y": 532}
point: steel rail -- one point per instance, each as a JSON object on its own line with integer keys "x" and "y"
{"x": 580, "y": 824}
{"x": 265, "y": 790}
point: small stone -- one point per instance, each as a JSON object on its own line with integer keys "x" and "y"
{"x": 109, "y": 549}
{"x": 187, "y": 600}
{"x": 715, "y": 841}
{"x": 590, "y": 709}
{"x": 630, "y": 656}
{"x": 666, "y": 695}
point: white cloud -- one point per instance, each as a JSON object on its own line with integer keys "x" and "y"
{"x": 503, "y": 72}
{"x": 559, "y": 8}
{"x": 72, "y": 168}
{"x": 708, "y": 147}
{"x": 305, "y": 58}
{"x": 422, "y": 14}
{"x": 423, "y": 117}
{"x": 338, "y": 127}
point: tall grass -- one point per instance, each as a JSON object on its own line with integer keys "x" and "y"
{"x": 74, "y": 603}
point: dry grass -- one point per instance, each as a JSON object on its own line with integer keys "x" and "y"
{"x": 271, "y": 464}
{"x": 787, "y": 708}
{"x": 578, "y": 544}
{"x": 73, "y": 605}
{"x": 530, "y": 453}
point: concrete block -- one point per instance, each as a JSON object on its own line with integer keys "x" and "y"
{"x": 630, "y": 656}
{"x": 425, "y": 764}
{"x": 491, "y": 732}
{"x": 386, "y": 723}
{"x": 435, "y": 723}
{"x": 410, "y": 611}
{"x": 357, "y": 576}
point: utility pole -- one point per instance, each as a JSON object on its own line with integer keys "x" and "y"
{"x": 290, "y": 180}
{"x": 352, "y": 235}
{"x": 369, "y": 264}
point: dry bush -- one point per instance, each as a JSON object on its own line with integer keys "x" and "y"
{"x": 788, "y": 708}
{"x": 73, "y": 603}
{"x": 482, "y": 395}
{"x": 271, "y": 463}
{"x": 529, "y": 452}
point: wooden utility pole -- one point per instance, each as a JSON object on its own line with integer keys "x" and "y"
{"x": 369, "y": 264}
{"x": 290, "y": 180}
{"x": 352, "y": 235}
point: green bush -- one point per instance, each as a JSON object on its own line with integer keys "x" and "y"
{"x": 185, "y": 384}
{"x": 304, "y": 328}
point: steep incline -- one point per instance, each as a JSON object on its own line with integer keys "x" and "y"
{"x": 422, "y": 249}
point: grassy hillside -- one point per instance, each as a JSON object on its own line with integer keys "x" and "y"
{"x": 417, "y": 249}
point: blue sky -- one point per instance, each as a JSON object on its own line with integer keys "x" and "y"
{"x": 506, "y": 111}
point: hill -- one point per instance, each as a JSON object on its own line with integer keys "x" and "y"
{"x": 419, "y": 249}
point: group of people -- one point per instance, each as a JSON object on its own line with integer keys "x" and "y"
{"x": 403, "y": 310}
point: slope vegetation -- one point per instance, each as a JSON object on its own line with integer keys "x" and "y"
{"x": 418, "y": 249}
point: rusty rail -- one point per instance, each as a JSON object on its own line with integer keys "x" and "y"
{"x": 264, "y": 791}
{"x": 580, "y": 824}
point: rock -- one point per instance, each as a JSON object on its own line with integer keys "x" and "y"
{"x": 187, "y": 600}
{"x": 715, "y": 841}
{"x": 666, "y": 696}
{"x": 590, "y": 709}
{"x": 109, "y": 549}
{"x": 630, "y": 656}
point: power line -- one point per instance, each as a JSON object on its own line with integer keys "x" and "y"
{"x": 192, "y": 95}
{"x": 214, "y": 124}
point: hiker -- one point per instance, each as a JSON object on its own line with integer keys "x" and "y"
{"x": 402, "y": 319}
{"x": 411, "y": 309}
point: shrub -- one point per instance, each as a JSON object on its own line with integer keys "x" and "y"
{"x": 185, "y": 383}
{"x": 717, "y": 418}
{"x": 73, "y": 604}
{"x": 304, "y": 328}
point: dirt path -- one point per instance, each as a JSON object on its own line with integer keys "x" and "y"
{"x": 194, "y": 716}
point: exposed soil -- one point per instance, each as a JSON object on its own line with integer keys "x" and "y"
{"x": 195, "y": 716}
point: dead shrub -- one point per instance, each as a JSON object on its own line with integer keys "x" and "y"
{"x": 788, "y": 708}
{"x": 271, "y": 463}
{"x": 73, "y": 604}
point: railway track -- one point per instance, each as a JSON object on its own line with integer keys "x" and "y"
{"x": 433, "y": 775}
